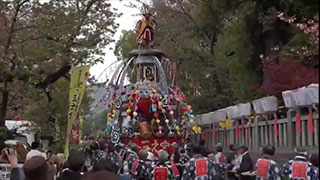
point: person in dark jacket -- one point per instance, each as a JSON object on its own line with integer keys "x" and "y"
{"x": 75, "y": 165}
{"x": 246, "y": 163}
{"x": 314, "y": 159}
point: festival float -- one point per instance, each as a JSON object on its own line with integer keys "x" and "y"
{"x": 142, "y": 107}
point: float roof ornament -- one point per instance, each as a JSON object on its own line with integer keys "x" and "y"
{"x": 146, "y": 28}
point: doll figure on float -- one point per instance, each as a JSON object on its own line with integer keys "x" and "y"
{"x": 145, "y": 29}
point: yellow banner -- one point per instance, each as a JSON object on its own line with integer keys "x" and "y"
{"x": 77, "y": 89}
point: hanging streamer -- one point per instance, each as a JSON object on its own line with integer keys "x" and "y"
{"x": 298, "y": 122}
{"x": 276, "y": 132}
{"x": 310, "y": 122}
{"x": 237, "y": 131}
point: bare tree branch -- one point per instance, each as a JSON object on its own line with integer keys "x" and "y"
{"x": 12, "y": 25}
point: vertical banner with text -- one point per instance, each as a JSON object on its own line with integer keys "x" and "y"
{"x": 78, "y": 81}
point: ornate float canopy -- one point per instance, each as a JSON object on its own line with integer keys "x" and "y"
{"x": 139, "y": 99}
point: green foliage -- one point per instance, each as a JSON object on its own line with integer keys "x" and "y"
{"x": 96, "y": 125}
{"x": 39, "y": 47}
{"x": 234, "y": 51}
{"x": 126, "y": 44}
{"x": 216, "y": 44}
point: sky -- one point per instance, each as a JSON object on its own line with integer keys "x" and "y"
{"x": 127, "y": 21}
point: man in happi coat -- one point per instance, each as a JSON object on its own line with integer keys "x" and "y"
{"x": 163, "y": 169}
{"x": 299, "y": 168}
{"x": 198, "y": 167}
{"x": 140, "y": 170}
{"x": 131, "y": 155}
{"x": 113, "y": 157}
{"x": 266, "y": 168}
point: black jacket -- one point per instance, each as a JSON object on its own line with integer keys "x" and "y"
{"x": 246, "y": 165}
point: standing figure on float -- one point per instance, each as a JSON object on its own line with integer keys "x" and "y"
{"x": 145, "y": 29}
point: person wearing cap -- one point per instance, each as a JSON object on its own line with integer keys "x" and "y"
{"x": 220, "y": 158}
{"x": 299, "y": 168}
{"x": 163, "y": 169}
{"x": 246, "y": 163}
{"x": 35, "y": 152}
{"x": 266, "y": 168}
{"x": 198, "y": 167}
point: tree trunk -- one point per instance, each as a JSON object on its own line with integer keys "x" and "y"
{"x": 4, "y": 105}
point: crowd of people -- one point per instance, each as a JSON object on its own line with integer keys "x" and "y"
{"x": 105, "y": 161}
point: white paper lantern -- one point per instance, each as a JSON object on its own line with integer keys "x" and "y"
{"x": 288, "y": 99}
{"x": 231, "y": 112}
{"x": 301, "y": 97}
{"x": 245, "y": 109}
{"x": 269, "y": 104}
{"x": 314, "y": 93}
{"x": 205, "y": 118}
{"x": 257, "y": 106}
{"x": 237, "y": 112}
{"x": 218, "y": 116}
{"x": 198, "y": 119}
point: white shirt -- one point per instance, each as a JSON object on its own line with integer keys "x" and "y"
{"x": 237, "y": 162}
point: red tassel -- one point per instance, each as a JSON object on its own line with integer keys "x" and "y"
{"x": 217, "y": 134}
{"x": 276, "y": 132}
{"x": 237, "y": 132}
{"x": 310, "y": 123}
{"x": 298, "y": 122}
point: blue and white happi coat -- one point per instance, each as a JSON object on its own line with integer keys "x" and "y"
{"x": 299, "y": 169}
